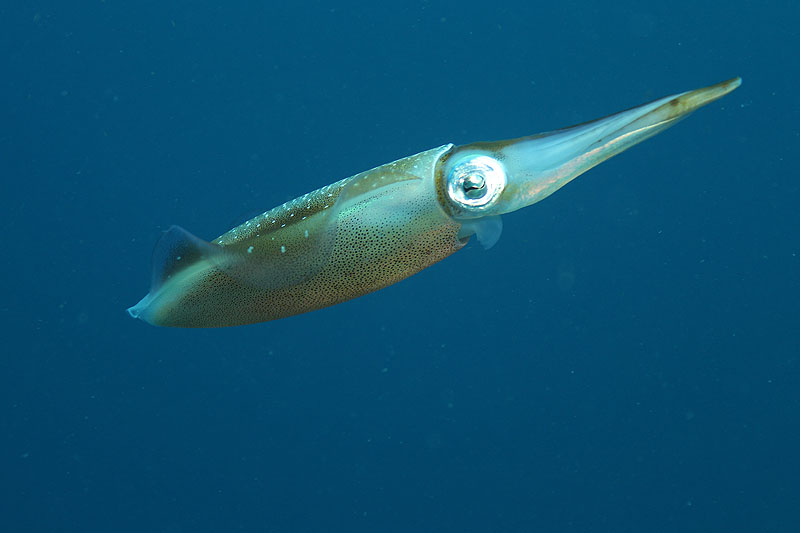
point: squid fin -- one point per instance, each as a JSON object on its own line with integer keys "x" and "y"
{"x": 178, "y": 249}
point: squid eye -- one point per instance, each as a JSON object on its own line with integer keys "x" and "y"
{"x": 475, "y": 182}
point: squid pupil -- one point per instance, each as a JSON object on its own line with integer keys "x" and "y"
{"x": 474, "y": 186}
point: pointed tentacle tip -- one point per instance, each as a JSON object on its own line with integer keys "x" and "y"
{"x": 680, "y": 105}
{"x": 728, "y": 85}
{"x": 733, "y": 82}
{"x": 713, "y": 92}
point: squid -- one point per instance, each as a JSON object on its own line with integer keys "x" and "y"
{"x": 376, "y": 228}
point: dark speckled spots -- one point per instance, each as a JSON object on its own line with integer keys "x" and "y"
{"x": 339, "y": 242}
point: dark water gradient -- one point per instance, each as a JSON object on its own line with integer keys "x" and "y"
{"x": 625, "y": 359}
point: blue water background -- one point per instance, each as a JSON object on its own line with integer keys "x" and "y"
{"x": 624, "y": 360}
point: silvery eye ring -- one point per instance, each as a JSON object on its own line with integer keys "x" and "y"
{"x": 476, "y": 182}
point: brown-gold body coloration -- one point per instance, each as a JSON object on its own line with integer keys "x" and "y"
{"x": 374, "y": 229}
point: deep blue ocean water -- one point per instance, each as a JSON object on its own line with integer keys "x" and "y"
{"x": 625, "y": 359}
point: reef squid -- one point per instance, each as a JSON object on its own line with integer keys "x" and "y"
{"x": 371, "y": 230}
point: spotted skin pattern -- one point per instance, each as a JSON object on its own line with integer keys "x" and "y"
{"x": 342, "y": 241}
